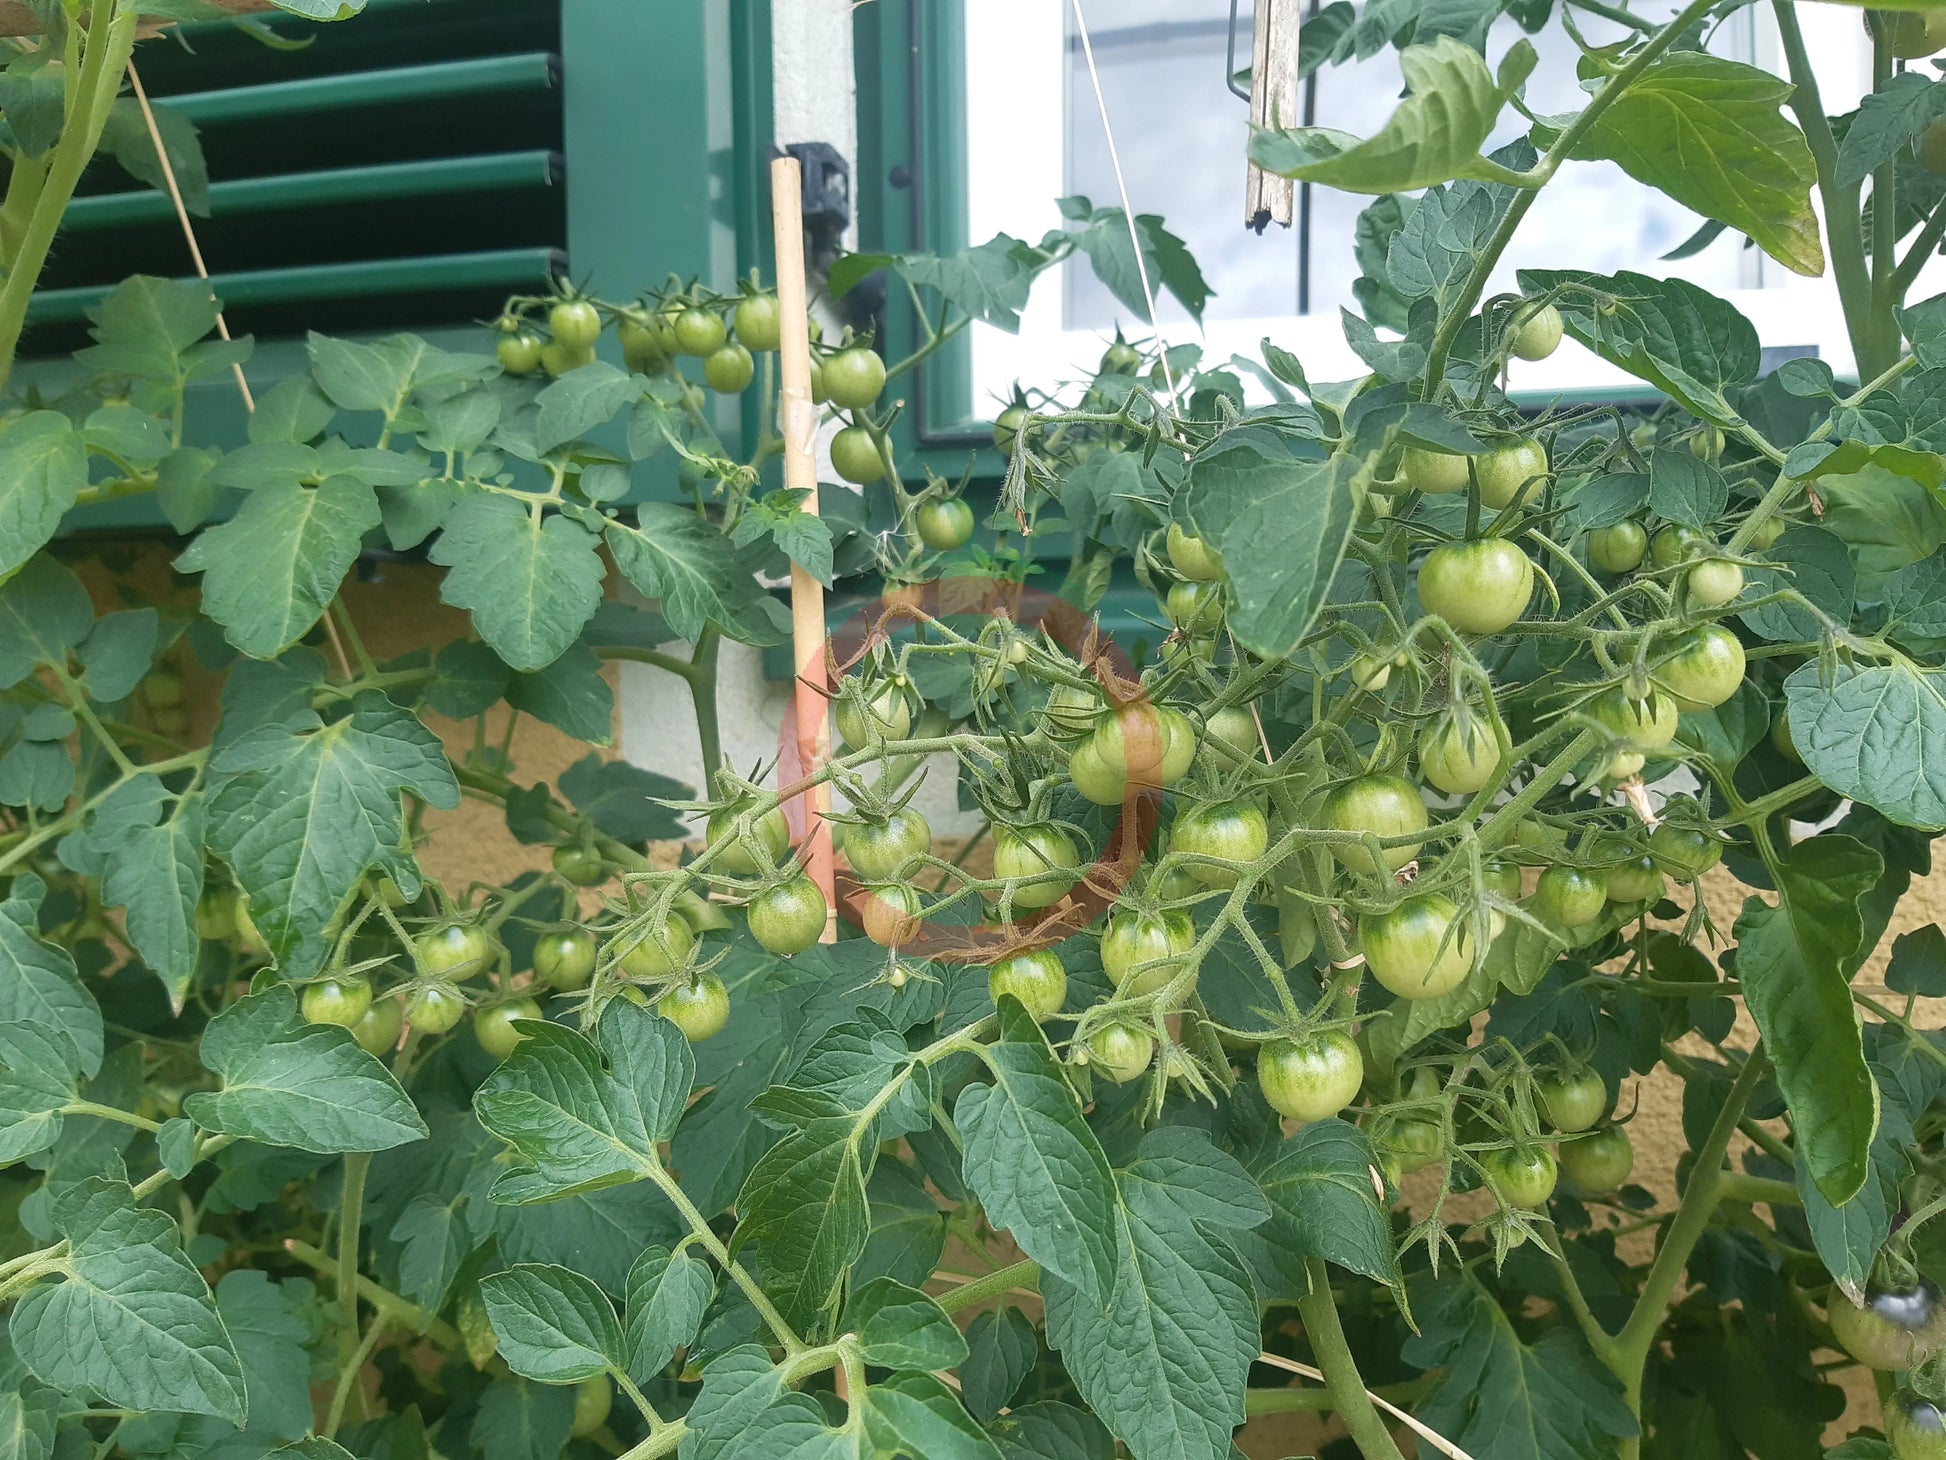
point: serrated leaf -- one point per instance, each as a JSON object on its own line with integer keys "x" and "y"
{"x": 270, "y": 570}
{"x": 287, "y": 1082}
{"x": 1684, "y": 488}
{"x": 381, "y": 375}
{"x": 521, "y": 1420}
{"x": 267, "y": 1324}
{"x": 471, "y": 679}
{"x": 989, "y": 281}
{"x": 667, "y": 1295}
{"x": 1888, "y": 119}
{"x": 1918, "y": 964}
{"x": 1001, "y": 1352}
{"x": 622, "y": 799}
{"x": 151, "y": 847}
{"x": 553, "y": 1324}
{"x": 1111, "y": 251}
{"x": 44, "y": 612}
{"x": 915, "y": 1414}
{"x": 1813, "y": 562}
{"x": 531, "y": 579}
{"x": 38, "y": 981}
{"x": 118, "y": 651}
{"x": 677, "y": 558}
{"x": 1322, "y": 1204}
{"x": 804, "y": 1204}
{"x": 1875, "y": 733}
{"x": 146, "y": 327}
{"x": 1848, "y": 1236}
{"x": 570, "y": 693}
{"x": 580, "y": 401}
{"x": 39, "y": 1078}
{"x": 901, "y": 1328}
{"x": 1048, "y": 1431}
{"x": 43, "y": 467}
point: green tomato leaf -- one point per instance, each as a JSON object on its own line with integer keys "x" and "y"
{"x": 131, "y": 1319}
{"x": 117, "y": 653}
{"x": 738, "y": 1387}
{"x": 1918, "y": 963}
{"x": 623, "y": 800}
{"x": 1709, "y": 133}
{"x": 39, "y": 1078}
{"x": 530, "y": 578}
{"x": 1924, "y": 324}
{"x": 381, "y": 375}
{"x": 1887, "y": 121}
{"x": 1451, "y": 105}
{"x": 151, "y": 846}
{"x": 1111, "y": 251}
{"x": 804, "y": 1203}
{"x": 1685, "y": 489}
{"x": 570, "y": 694}
{"x": 667, "y": 1295}
{"x": 1046, "y": 1430}
{"x": 674, "y": 556}
{"x": 580, "y": 401}
{"x": 1322, "y": 1204}
{"x": 901, "y": 1328}
{"x": 915, "y": 1414}
{"x": 38, "y": 980}
{"x": 271, "y": 569}
{"x": 290, "y": 1083}
{"x": 471, "y": 680}
{"x": 522, "y": 1420}
{"x": 268, "y": 1324}
{"x": 1794, "y": 961}
{"x": 1848, "y": 1236}
{"x": 148, "y": 328}
{"x": 989, "y": 281}
{"x": 1875, "y": 733}
{"x": 1001, "y": 1353}
{"x": 306, "y": 810}
{"x": 553, "y": 1324}
{"x": 43, "y": 467}
{"x": 1810, "y": 561}
{"x": 44, "y": 612}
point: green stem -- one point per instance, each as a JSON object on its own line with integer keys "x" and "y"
{"x": 347, "y": 1383}
{"x": 1341, "y": 1377}
{"x": 662, "y": 1442}
{"x": 1917, "y": 256}
{"x": 1738, "y": 1186}
{"x": 351, "y": 1211}
{"x": 702, "y": 694}
{"x": 109, "y": 1112}
{"x": 1023, "y": 1274}
{"x": 402, "y": 1311}
{"x": 707, "y": 1239}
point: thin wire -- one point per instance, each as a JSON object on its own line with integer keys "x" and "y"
{"x": 1128, "y": 211}
{"x": 182, "y": 217}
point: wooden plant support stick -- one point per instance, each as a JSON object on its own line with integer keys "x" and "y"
{"x": 1273, "y": 103}
{"x": 798, "y": 427}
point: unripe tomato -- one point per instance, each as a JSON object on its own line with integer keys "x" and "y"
{"x": 1142, "y": 951}
{"x": 1383, "y": 805}
{"x": 643, "y": 344}
{"x": 340, "y": 1001}
{"x": 246, "y": 927}
{"x": 656, "y": 952}
{"x": 1914, "y": 1426}
{"x": 1502, "y": 879}
{"x": 575, "y": 325}
{"x": 1573, "y": 1100}
{"x": 699, "y": 331}
{"x": 216, "y": 914}
{"x": 519, "y": 354}
{"x": 1120, "y": 358}
{"x": 1233, "y": 730}
{"x": 729, "y": 369}
{"x": 818, "y": 397}
{"x": 493, "y": 1026}
{"x": 758, "y": 322}
{"x": 1635, "y": 880}
{"x": 883, "y": 850}
{"x": 1677, "y": 544}
{"x": 1781, "y": 738}
{"x": 1702, "y": 668}
{"x": 1007, "y": 427}
{"x": 1597, "y": 1163}
{"x": 1911, "y": 34}
{"x": 1120, "y": 1052}
{"x": 1034, "y": 852}
{"x": 1644, "y": 724}
{"x": 1684, "y": 852}
{"x": 558, "y": 360}
{"x": 1369, "y": 672}
{"x": 1714, "y": 582}
{"x": 173, "y": 723}
{"x": 702, "y": 915}
{"x": 387, "y": 892}
{"x": 1196, "y": 607}
{"x": 882, "y": 713}
{"x": 579, "y": 865}
{"x": 854, "y": 377}
{"x": 770, "y": 831}
{"x": 434, "y": 1007}
{"x": 1036, "y": 978}
{"x": 1070, "y": 711}
{"x": 699, "y": 1008}
{"x": 163, "y": 689}
{"x": 1521, "y": 1176}
{"x": 890, "y": 913}
{"x": 1518, "y": 471}
{"x": 945, "y": 523}
{"x": 1897, "y": 1328}
{"x": 1706, "y": 442}
{"x": 455, "y": 951}
{"x": 1230, "y": 831}
{"x": 1570, "y": 897}
{"x": 1190, "y": 556}
{"x": 594, "y": 1397}
{"x": 1457, "y": 755}
{"x": 565, "y": 958}
{"x": 1537, "y": 332}
{"x": 1478, "y": 586}
{"x": 1618, "y": 548}
{"x": 1435, "y": 472}
{"x": 854, "y": 456}
{"x": 1311, "y": 1078}
{"x": 1418, "y": 949}
{"x": 1408, "y": 1144}
{"x": 378, "y": 1032}
{"x": 1148, "y": 744}
{"x": 1094, "y": 778}
{"x": 788, "y": 918}
{"x": 1932, "y": 157}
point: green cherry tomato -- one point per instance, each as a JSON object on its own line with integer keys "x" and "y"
{"x": 699, "y": 1008}
{"x": 1706, "y": 442}
{"x": 493, "y": 1026}
{"x": 594, "y": 1397}
{"x": 1383, "y": 805}
{"x": 1369, "y": 672}
{"x": 1457, "y": 755}
{"x": 1142, "y": 951}
{"x": 1932, "y": 157}
{"x": 519, "y": 354}
{"x": 1023, "y": 852}
{"x": 378, "y": 1032}
{"x": 770, "y": 831}
{"x": 1190, "y": 556}
{"x": 1618, "y": 548}
{"x": 434, "y": 1007}
{"x": 1502, "y": 879}
{"x": 1573, "y": 1101}
{"x": 891, "y": 913}
{"x": 1915, "y": 1427}
{"x": 699, "y": 331}
{"x": 945, "y": 523}
{"x": 455, "y": 951}
{"x": 340, "y": 1001}
{"x": 1008, "y": 425}
{"x": 216, "y": 912}
{"x": 1479, "y": 586}
{"x": 557, "y": 360}
{"x": 1070, "y": 711}
{"x": 702, "y": 915}
{"x": 758, "y": 322}
{"x": 575, "y": 325}
{"x": 1911, "y": 34}
{"x": 854, "y": 455}
{"x": 1896, "y": 1328}
{"x": 1418, "y": 949}
{"x": 789, "y": 917}
{"x": 1510, "y": 472}
{"x": 1094, "y": 778}
{"x": 1120, "y": 358}
{"x": 1537, "y": 332}
{"x": 1409, "y": 1143}
{"x": 565, "y": 958}
{"x": 1570, "y": 897}
{"x": 1714, "y": 582}
{"x": 854, "y": 377}
{"x": 644, "y": 344}
{"x": 1702, "y": 668}
{"x": 1677, "y": 544}
{"x": 1036, "y": 978}
{"x": 1435, "y": 472}
{"x": 1312, "y": 1078}
{"x": 882, "y": 712}
{"x": 1228, "y": 831}
{"x": 1233, "y": 731}
{"x": 1196, "y": 607}
{"x": 729, "y": 369}
{"x": 1150, "y": 745}
{"x": 1597, "y": 1163}
{"x": 883, "y": 849}
{"x": 656, "y": 952}
{"x": 1683, "y": 852}
{"x": 1636, "y": 880}
{"x": 1120, "y": 1052}
{"x": 1781, "y": 737}
{"x": 1644, "y": 724}
{"x": 1521, "y": 1176}
{"x": 579, "y": 865}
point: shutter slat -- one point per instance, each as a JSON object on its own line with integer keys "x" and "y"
{"x": 532, "y": 71}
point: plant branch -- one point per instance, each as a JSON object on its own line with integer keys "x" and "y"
{"x": 1341, "y": 1377}
{"x": 403, "y": 1311}
{"x": 1023, "y": 1274}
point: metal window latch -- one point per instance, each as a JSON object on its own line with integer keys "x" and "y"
{"x": 827, "y": 199}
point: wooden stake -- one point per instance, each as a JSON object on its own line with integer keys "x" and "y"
{"x": 1268, "y": 198}
{"x": 798, "y": 425}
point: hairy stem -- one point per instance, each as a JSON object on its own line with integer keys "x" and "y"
{"x": 1023, "y": 1274}
{"x": 1341, "y": 1377}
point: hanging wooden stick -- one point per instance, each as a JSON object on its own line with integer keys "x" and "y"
{"x": 1268, "y": 198}
{"x": 798, "y": 425}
